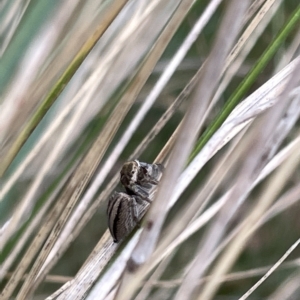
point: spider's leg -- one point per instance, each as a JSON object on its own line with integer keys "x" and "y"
{"x": 139, "y": 191}
{"x": 134, "y": 210}
{"x": 153, "y": 181}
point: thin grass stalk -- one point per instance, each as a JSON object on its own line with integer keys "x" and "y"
{"x": 149, "y": 101}
{"x": 164, "y": 78}
{"x": 170, "y": 291}
{"x": 110, "y": 279}
{"x": 88, "y": 162}
{"x": 49, "y": 278}
{"x": 181, "y": 149}
{"x": 200, "y": 199}
{"x": 245, "y": 45}
{"x": 109, "y": 16}
{"x": 283, "y": 203}
{"x": 108, "y": 132}
{"x": 189, "y": 120}
{"x": 44, "y": 169}
{"x": 271, "y": 271}
{"x": 37, "y": 147}
{"x": 79, "y": 180}
{"x": 248, "y": 32}
{"x": 290, "y": 198}
{"x": 29, "y": 198}
{"x": 253, "y": 8}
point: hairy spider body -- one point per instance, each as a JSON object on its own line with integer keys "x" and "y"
{"x": 140, "y": 178}
{"x": 122, "y": 214}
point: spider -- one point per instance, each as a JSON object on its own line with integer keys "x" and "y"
{"x": 140, "y": 181}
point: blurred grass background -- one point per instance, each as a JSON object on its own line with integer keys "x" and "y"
{"x": 38, "y": 40}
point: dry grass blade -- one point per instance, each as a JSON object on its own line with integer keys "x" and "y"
{"x": 247, "y": 33}
{"x": 283, "y": 203}
{"x": 145, "y": 107}
{"x": 175, "y": 231}
{"x": 110, "y": 279}
{"x": 80, "y": 56}
{"x": 246, "y": 44}
{"x": 99, "y": 149}
{"x": 254, "y": 7}
{"x": 289, "y": 199}
{"x": 264, "y": 94}
{"x": 211, "y": 285}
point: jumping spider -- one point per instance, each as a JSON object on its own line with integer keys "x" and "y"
{"x": 140, "y": 181}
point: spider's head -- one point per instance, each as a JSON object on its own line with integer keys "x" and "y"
{"x": 129, "y": 173}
